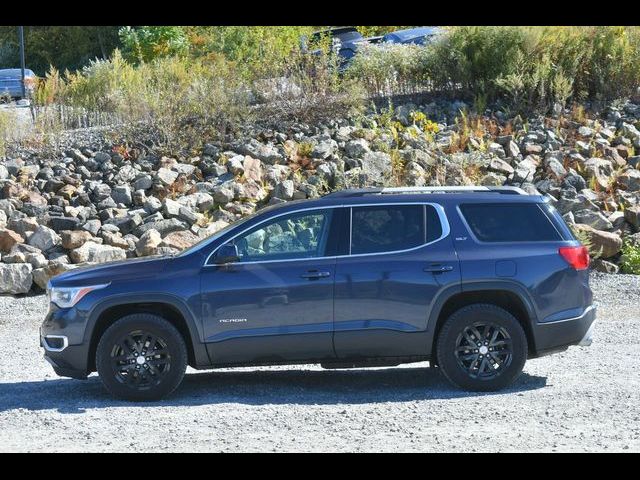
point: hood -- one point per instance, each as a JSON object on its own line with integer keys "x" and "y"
{"x": 138, "y": 268}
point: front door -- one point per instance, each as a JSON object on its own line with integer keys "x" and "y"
{"x": 275, "y": 303}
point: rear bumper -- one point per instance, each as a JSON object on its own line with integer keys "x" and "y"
{"x": 556, "y": 336}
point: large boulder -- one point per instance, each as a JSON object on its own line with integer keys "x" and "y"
{"x": 64, "y": 223}
{"x": 357, "y": 148}
{"x": 96, "y": 253}
{"x": 74, "y": 239}
{"x": 600, "y": 265}
{"x": 284, "y": 190}
{"x": 44, "y": 238}
{"x": 167, "y": 177}
{"x": 592, "y": 218}
{"x": 632, "y": 215}
{"x": 630, "y": 180}
{"x": 42, "y": 275}
{"x": 179, "y": 240}
{"x": 15, "y": 278}
{"x": 9, "y": 238}
{"x": 223, "y": 194}
{"x": 122, "y": 194}
{"x": 165, "y": 226}
{"x": 252, "y": 169}
{"x": 607, "y": 243}
{"x": 377, "y": 166}
{"x": 148, "y": 243}
{"x": 267, "y": 153}
{"x": 500, "y": 166}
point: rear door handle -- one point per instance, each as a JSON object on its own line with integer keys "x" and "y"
{"x": 438, "y": 268}
{"x": 314, "y": 274}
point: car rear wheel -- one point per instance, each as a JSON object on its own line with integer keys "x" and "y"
{"x": 141, "y": 357}
{"x": 481, "y": 347}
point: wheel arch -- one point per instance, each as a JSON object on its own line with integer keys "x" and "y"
{"x": 506, "y": 295}
{"x": 172, "y": 310}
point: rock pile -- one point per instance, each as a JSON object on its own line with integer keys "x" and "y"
{"x": 93, "y": 204}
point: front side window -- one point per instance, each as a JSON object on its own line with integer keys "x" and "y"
{"x": 294, "y": 236}
{"x": 387, "y": 228}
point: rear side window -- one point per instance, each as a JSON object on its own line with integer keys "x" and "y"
{"x": 434, "y": 227}
{"x": 387, "y": 228}
{"x": 515, "y": 222}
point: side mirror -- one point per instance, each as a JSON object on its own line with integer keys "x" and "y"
{"x": 227, "y": 253}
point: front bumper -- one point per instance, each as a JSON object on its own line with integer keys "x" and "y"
{"x": 556, "y": 336}
{"x": 62, "y": 338}
{"x": 70, "y": 362}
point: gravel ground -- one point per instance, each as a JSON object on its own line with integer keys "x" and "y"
{"x": 584, "y": 399}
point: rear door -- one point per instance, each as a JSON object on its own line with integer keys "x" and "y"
{"x": 400, "y": 257}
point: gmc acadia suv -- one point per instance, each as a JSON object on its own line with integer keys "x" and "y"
{"x": 473, "y": 279}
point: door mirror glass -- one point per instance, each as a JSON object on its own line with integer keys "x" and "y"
{"x": 227, "y": 253}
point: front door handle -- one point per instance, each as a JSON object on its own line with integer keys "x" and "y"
{"x": 315, "y": 274}
{"x": 438, "y": 268}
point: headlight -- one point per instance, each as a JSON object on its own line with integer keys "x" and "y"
{"x": 68, "y": 297}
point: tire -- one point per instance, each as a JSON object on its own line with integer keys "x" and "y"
{"x": 492, "y": 366}
{"x": 127, "y": 369}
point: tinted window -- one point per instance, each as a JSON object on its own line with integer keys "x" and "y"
{"x": 509, "y": 223}
{"x": 434, "y": 227}
{"x": 387, "y": 228}
{"x": 299, "y": 235}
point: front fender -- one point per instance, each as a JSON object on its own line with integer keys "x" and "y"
{"x": 122, "y": 299}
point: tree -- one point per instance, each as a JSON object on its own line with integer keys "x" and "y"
{"x": 143, "y": 44}
{"x": 63, "y": 47}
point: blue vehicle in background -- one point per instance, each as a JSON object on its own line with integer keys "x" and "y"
{"x": 475, "y": 280}
{"x": 346, "y": 41}
{"x": 416, "y": 36}
{"x": 11, "y": 83}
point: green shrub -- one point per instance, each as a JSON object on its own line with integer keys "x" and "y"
{"x": 257, "y": 51}
{"x": 533, "y": 67}
{"x": 391, "y": 69}
{"x": 584, "y": 237}
{"x": 6, "y": 121}
{"x": 185, "y": 82}
{"x": 526, "y": 68}
{"x": 179, "y": 98}
{"x": 144, "y": 44}
{"x": 631, "y": 258}
{"x": 311, "y": 90}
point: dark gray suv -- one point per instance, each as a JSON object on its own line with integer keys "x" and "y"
{"x": 474, "y": 279}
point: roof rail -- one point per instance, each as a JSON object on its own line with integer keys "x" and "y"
{"x": 357, "y": 192}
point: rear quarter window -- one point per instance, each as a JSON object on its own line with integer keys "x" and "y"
{"x": 516, "y": 222}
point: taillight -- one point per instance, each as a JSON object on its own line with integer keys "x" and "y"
{"x": 577, "y": 257}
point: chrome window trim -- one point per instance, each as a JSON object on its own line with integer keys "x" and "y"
{"x": 442, "y": 216}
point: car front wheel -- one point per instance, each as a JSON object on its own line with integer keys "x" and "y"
{"x": 481, "y": 347}
{"x": 141, "y": 357}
